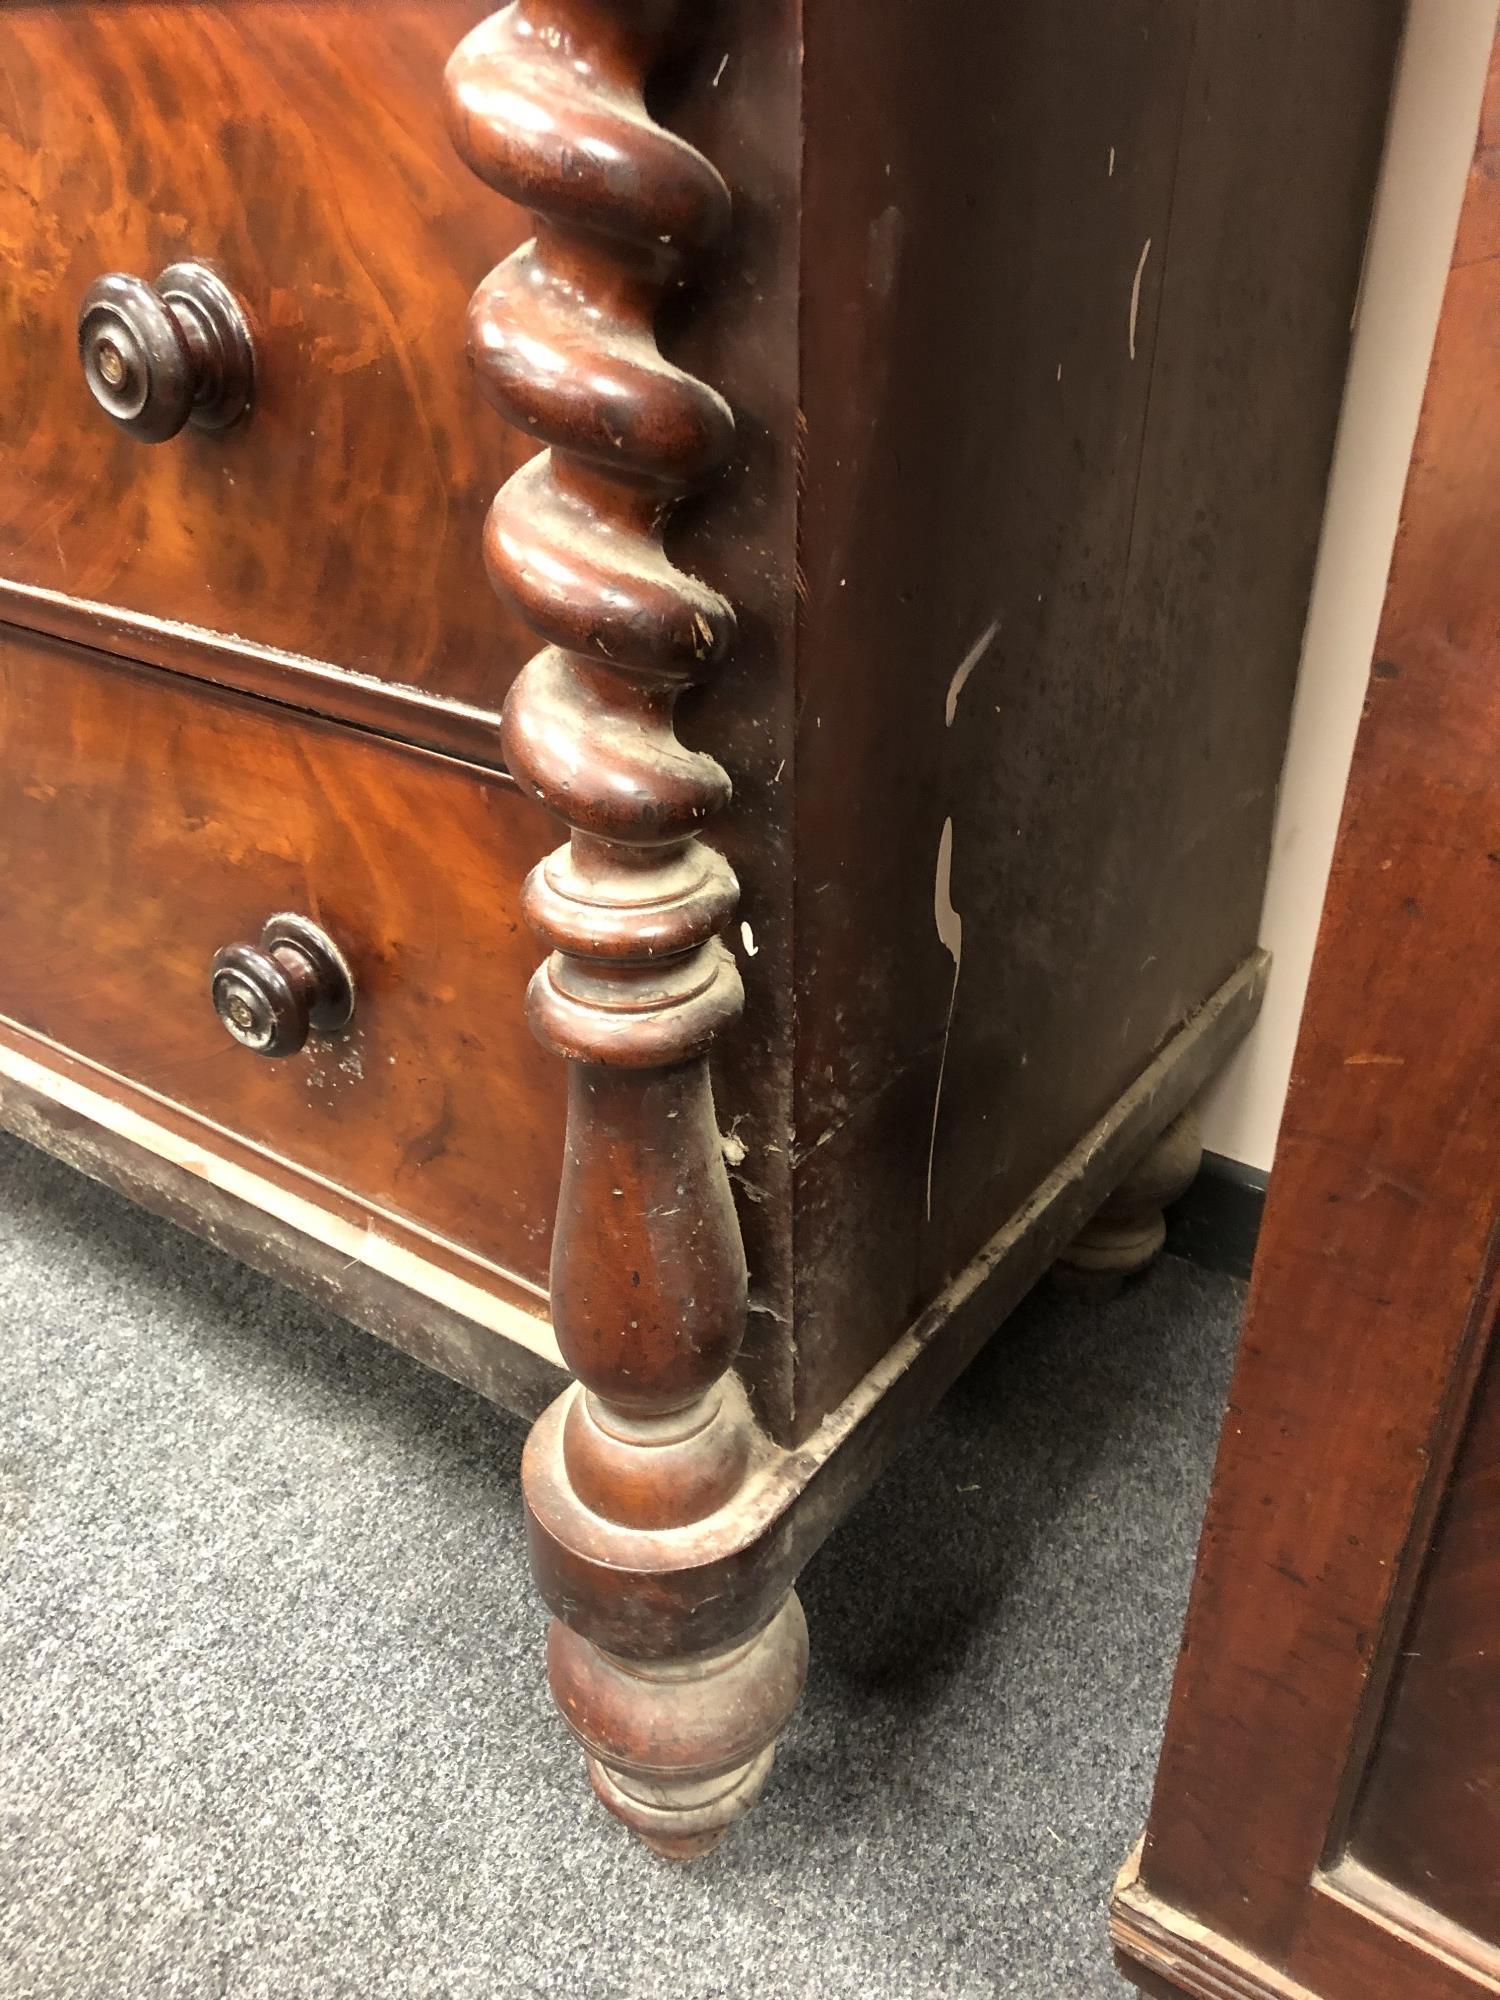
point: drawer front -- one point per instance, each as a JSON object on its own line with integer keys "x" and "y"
{"x": 147, "y": 820}
{"x": 300, "y": 149}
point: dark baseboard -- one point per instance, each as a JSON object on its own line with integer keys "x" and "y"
{"x": 1216, "y": 1223}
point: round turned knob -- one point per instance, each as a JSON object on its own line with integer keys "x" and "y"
{"x": 271, "y": 996}
{"x": 159, "y": 356}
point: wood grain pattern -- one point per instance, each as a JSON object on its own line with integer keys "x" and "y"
{"x": 961, "y": 479}
{"x": 133, "y": 135}
{"x": 146, "y": 820}
{"x": 1372, "y": 1306}
{"x": 901, "y": 309}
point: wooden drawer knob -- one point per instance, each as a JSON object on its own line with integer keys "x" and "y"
{"x": 159, "y": 356}
{"x": 270, "y": 996}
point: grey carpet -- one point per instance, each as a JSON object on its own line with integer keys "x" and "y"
{"x": 273, "y": 1723}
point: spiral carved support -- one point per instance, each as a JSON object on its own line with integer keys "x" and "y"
{"x": 676, "y": 1695}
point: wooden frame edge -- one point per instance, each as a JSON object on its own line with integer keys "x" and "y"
{"x": 411, "y": 716}
{"x": 364, "y": 1272}
{"x": 1168, "y": 1953}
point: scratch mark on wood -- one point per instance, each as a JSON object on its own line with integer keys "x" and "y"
{"x": 950, "y": 929}
{"x": 1135, "y": 292}
{"x": 966, "y": 667}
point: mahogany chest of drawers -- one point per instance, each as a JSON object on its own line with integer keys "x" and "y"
{"x": 909, "y": 426}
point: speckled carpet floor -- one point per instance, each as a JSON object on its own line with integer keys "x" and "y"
{"x": 271, "y": 1715}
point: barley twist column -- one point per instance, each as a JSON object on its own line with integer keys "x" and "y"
{"x": 677, "y": 1703}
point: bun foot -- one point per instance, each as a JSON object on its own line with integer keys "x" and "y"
{"x": 1127, "y": 1232}
{"x": 680, "y": 1750}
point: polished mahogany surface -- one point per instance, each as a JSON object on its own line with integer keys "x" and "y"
{"x": 1058, "y": 416}
{"x": 340, "y": 519}
{"x": 147, "y": 821}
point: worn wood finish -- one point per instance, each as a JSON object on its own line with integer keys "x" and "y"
{"x": 1128, "y": 1232}
{"x": 132, "y": 136}
{"x": 1062, "y": 502}
{"x": 391, "y": 1279}
{"x": 649, "y": 1285}
{"x": 147, "y": 820}
{"x": 991, "y": 906}
{"x": 1326, "y": 1802}
{"x": 689, "y": 1593}
{"x": 1428, "y": 1819}
{"x": 747, "y": 1555}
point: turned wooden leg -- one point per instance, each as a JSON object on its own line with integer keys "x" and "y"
{"x": 680, "y": 1749}
{"x": 1126, "y": 1234}
{"x": 676, "y": 1688}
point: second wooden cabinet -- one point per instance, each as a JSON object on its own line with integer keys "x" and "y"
{"x": 1326, "y": 1824}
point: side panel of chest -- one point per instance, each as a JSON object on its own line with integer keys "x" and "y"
{"x": 1079, "y": 285}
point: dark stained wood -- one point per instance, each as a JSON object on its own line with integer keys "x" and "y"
{"x": 1429, "y": 1816}
{"x": 1069, "y": 489}
{"x": 356, "y": 242}
{"x": 1326, "y": 1798}
{"x": 135, "y": 135}
{"x": 1167, "y": 1952}
{"x": 732, "y": 87}
{"x": 649, "y": 1287}
{"x": 176, "y": 350}
{"x": 691, "y": 1593}
{"x": 293, "y": 982}
{"x": 146, "y": 821}
{"x": 161, "y": 1156}
{"x": 860, "y": 296}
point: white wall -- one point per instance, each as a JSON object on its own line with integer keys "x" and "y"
{"x": 1434, "y": 122}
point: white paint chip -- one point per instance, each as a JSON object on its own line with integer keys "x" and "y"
{"x": 950, "y": 928}
{"x": 747, "y": 939}
{"x": 1135, "y": 292}
{"x": 966, "y": 667}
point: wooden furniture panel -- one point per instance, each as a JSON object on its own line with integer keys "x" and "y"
{"x": 1428, "y": 1818}
{"x": 1325, "y": 1818}
{"x": 146, "y": 821}
{"x": 902, "y": 523}
{"x": 1071, "y": 588}
{"x": 134, "y": 135}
